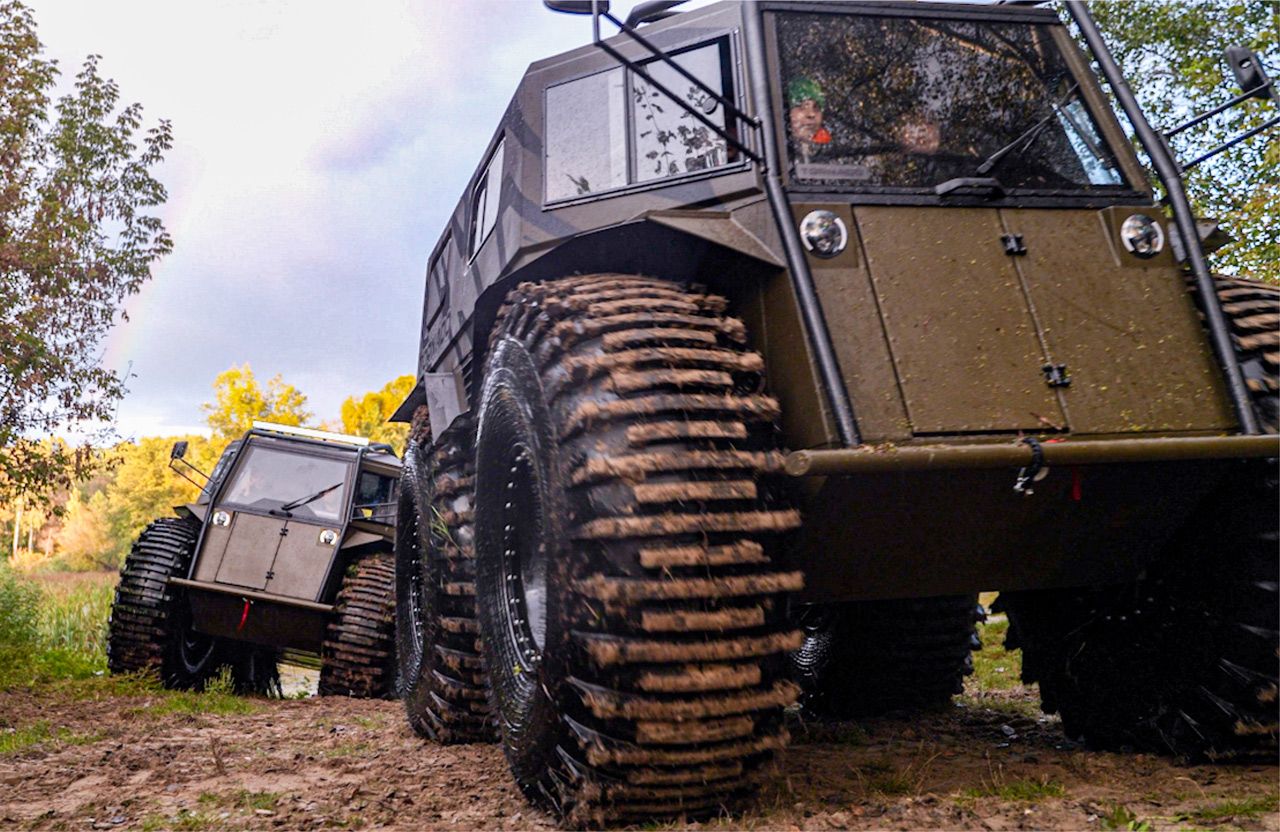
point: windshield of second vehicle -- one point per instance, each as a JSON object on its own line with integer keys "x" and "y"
{"x": 268, "y": 479}
{"x": 910, "y": 103}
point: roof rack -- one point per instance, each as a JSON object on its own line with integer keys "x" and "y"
{"x": 309, "y": 433}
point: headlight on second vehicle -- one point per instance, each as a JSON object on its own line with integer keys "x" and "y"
{"x": 1142, "y": 236}
{"x": 823, "y": 234}
{"x": 328, "y": 537}
{"x": 221, "y": 518}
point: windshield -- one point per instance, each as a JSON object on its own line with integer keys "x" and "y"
{"x": 268, "y": 479}
{"x": 901, "y": 103}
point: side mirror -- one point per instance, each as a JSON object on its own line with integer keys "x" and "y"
{"x": 577, "y": 6}
{"x": 179, "y": 450}
{"x": 1249, "y": 72}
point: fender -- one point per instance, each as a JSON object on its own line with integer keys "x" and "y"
{"x": 704, "y": 246}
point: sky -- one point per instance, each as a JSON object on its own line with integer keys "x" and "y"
{"x": 319, "y": 148}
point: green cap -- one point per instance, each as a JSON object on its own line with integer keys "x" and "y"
{"x": 805, "y": 89}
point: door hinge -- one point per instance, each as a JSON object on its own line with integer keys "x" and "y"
{"x": 1013, "y": 245}
{"x": 1055, "y": 375}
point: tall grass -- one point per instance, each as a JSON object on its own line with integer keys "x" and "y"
{"x": 73, "y": 613}
{"x": 53, "y": 627}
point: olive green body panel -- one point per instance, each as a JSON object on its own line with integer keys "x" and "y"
{"x": 851, "y": 308}
{"x": 280, "y": 624}
{"x": 940, "y": 333}
{"x": 963, "y": 339}
{"x": 933, "y": 533}
{"x": 1126, "y": 329}
{"x": 302, "y": 562}
{"x": 249, "y": 550}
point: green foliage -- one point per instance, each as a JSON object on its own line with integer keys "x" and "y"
{"x": 73, "y": 615}
{"x": 995, "y": 668}
{"x": 1171, "y": 54}
{"x": 368, "y": 415}
{"x": 239, "y": 401}
{"x": 1122, "y": 817}
{"x": 19, "y": 610}
{"x": 75, "y": 242}
{"x": 1245, "y": 807}
{"x": 1023, "y": 790}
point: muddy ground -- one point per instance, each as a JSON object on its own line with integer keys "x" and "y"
{"x": 991, "y": 762}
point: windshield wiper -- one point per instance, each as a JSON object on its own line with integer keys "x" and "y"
{"x": 309, "y": 498}
{"x": 1027, "y": 137}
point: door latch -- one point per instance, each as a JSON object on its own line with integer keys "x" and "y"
{"x": 1055, "y": 375}
{"x": 1013, "y": 245}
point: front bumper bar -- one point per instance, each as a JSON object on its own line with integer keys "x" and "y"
{"x": 1067, "y": 452}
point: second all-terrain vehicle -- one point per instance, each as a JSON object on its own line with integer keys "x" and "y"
{"x": 285, "y": 555}
{"x": 997, "y": 360}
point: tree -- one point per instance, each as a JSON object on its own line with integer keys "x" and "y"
{"x": 240, "y": 401}
{"x": 369, "y": 414}
{"x": 75, "y": 241}
{"x": 86, "y": 540}
{"x": 1171, "y": 54}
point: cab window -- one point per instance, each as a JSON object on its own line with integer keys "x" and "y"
{"x": 615, "y": 129}
{"x": 375, "y": 497}
{"x": 909, "y": 103}
{"x": 308, "y": 486}
{"x": 484, "y": 201}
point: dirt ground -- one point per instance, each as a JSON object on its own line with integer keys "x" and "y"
{"x": 991, "y": 762}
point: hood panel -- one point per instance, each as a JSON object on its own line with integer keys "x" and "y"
{"x": 963, "y": 339}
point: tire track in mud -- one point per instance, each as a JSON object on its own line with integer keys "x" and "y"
{"x": 126, "y": 763}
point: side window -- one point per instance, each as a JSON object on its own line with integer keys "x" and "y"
{"x": 484, "y": 201}
{"x": 614, "y": 128}
{"x": 668, "y": 140}
{"x": 586, "y": 136}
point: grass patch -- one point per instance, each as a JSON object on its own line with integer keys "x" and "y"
{"x": 39, "y": 733}
{"x": 218, "y": 698}
{"x": 1247, "y": 807}
{"x": 995, "y": 668}
{"x": 1122, "y": 817}
{"x": 242, "y": 799}
{"x": 186, "y": 821}
{"x": 1022, "y": 790}
{"x": 1012, "y": 707}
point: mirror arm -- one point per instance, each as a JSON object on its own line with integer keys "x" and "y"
{"x": 1248, "y": 134}
{"x": 1169, "y": 134}
{"x": 173, "y": 466}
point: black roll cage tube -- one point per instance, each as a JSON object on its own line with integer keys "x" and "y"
{"x": 819, "y": 336}
{"x": 1170, "y": 174}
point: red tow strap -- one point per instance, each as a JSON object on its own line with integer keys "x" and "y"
{"x": 244, "y": 616}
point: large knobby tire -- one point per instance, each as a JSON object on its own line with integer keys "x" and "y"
{"x": 1182, "y": 661}
{"x": 149, "y": 630}
{"x": 358, "y": 657}
{"x": 442, "y": 679}
{"x": 1253, "y": 311}
{"x": 871, "y": 657}
{"x": 635, "y": 631}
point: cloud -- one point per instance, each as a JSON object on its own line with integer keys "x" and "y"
{"x": 319, "y": 149}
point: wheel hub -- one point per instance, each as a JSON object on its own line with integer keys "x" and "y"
{"x": 524, "y": 556}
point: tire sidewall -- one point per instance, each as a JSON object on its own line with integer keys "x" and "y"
{"x": 512, "y": 401}
{"x": 412, "y": 540}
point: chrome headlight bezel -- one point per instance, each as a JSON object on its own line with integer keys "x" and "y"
{"x": 221, "y": 518}
{"x": 824, "y": 234}
{"x": 1142, "y": 236}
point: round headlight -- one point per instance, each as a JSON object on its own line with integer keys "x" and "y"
{"x": 328, "y": 537}
{"x": 1142, "y": 236}
{"x": 823, "y": 234}
{"x": 221, "y": 518}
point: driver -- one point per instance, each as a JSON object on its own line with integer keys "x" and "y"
{"x": 806, "y": 102}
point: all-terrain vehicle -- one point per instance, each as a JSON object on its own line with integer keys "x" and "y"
{"x": 910, "y": 243}
{"x": 285, "y": 555}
